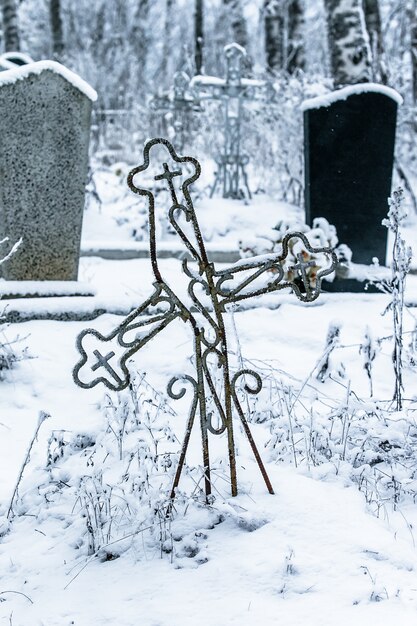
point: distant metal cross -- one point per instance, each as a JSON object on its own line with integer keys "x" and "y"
{"x": 179, "y": 104}
{"x": 232, "y": 91}
{"x": 246, "y": 279}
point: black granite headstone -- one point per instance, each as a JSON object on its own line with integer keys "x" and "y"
{"x": 349, "y": 155}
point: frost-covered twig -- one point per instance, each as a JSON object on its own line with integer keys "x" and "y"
{"x": 19, "y": 593}
{"x": 332, "y": 342}
{"x": 401, "y": 258}
{"x": 42, "y": 417}
{"x": 369, "y": 350}
{"x": 12, "y": 251}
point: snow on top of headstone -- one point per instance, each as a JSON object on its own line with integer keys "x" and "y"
{"x": 18, "y": 73}
{"x": 342, "y": 94}
{"x": 234, "y": 46}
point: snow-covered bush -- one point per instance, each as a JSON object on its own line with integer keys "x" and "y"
{"x": 11, "y": 352}
{"x": 357, "y": 440}
{"x": 395, "y": 285}
{"x": 401, "y": 259}
{"x": 118, "y": 479}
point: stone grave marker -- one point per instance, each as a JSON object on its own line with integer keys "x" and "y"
{"x": 44, "y": 136}
{"x": 349, "y": 138}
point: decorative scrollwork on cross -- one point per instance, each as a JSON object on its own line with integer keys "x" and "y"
{"x": 104, "y": 357}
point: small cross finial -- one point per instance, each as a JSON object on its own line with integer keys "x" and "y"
{"x": 103, "y": 361}
{"x": 301, "y": 267}
{"x": 168, "y": 176}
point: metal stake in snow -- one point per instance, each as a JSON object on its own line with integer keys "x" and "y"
{"x": 232, "y": 91}
{"x": 241, "y": 281}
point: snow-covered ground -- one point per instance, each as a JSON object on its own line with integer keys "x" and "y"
{"x": 318, "y": 552}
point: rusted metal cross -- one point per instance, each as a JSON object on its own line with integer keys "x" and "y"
{"x": 244, "y": 280}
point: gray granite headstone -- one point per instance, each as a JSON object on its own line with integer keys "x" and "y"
{"x": 45, "y": 112}
{"x": 349, "y": 155}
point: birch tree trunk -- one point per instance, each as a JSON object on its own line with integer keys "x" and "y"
{"x": 413, "y": 51}
{"x": 350, "y": 52}
{"x": 295, "y": 48}
{"x": 374, "y": 28}
{"x": 167, "y": 44}
{"x": 274, "y": 23}
{"x": 10, "y": 26}
{"x": 234, "y": 12}
{"x": 56, "y": 29}
{"x": 199, "y": 36}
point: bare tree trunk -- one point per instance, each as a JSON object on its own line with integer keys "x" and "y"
{"x": 199, "y": 36}
{"x": 295, "y": 49}
{"x": 56, "y": 28}
{"x": 166, "y": 73}
{"x": 350, "y": 53}
{"x": 373, "y": 25}
{"x": 274, "y": 22}
{"x": 413, "y": 51}
{"x": 234, "y": 12}
{"x": 140, "y": 40}
{"x": 10, "y": 26}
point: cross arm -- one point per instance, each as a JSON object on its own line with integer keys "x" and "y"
{"x": 104, "y": 357}
{"x": 275, "y": 265}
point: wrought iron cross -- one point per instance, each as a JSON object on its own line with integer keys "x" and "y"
{"x": 232, "y": 92}
{"x": 243, "y": 280}
{"x": 180, "y": 102}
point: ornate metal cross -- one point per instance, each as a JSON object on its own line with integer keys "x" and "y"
{"x": 180, "y": 103}
{"x": 243, "y": 280}
{"x": 232, "y": 91}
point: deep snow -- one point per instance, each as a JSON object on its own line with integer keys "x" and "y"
{"x": 314, "y": 553}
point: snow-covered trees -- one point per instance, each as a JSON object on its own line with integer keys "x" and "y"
{"x": 350, "y": 52}
{"x": 374, "y": 28}
{"x": 56, "y": 28}
{"x": 10, "y": 26}
{"x": 198, "y": 36}
{"x": 234, "y": 14}
{"x": 295, "y": 47}
{"x": 284, "y": 36}
{"x": 413, "y": 50}
{"x": 274, "y": 34}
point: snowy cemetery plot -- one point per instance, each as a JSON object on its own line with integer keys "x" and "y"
{"x": 94, "y": 470}
{"x": 102, "y": 465}
{"x": 208, "y": 404}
